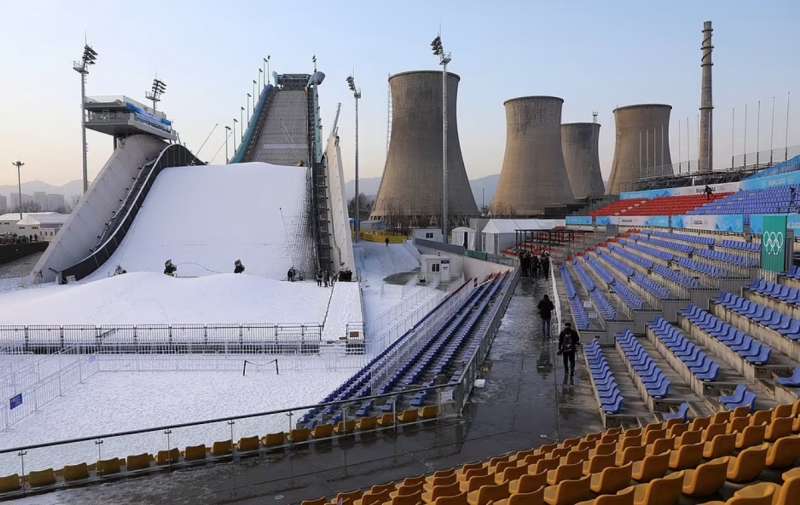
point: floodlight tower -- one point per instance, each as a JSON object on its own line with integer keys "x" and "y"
{"x": 444, "y": 59}
{"x": 19, "y": 165}
{"x": 154, "y": 95}
{"x": 351, "y": 83}
{"x": 227, "y": 132}
{"x": 82, "y": 67}
{"x": 266, "y": 68}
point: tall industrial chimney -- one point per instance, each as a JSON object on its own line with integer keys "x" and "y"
{"x": 642, "y": 145}
{"x": 533, "y": 175}
{"x": 411, "y": 188}
{"x": 579, "y": 143}
{"x": 706, "y": 155}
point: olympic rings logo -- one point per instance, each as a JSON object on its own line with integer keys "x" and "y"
{"x": 772, "y": 243}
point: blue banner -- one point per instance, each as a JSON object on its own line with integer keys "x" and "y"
{"x": 728, "y": 223}
{"x": 15, "y": 401}
{"x": 757, "y": 222}
{"x": 579, "y": 220}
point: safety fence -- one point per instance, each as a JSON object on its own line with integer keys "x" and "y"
{"x": 228, "y": 338}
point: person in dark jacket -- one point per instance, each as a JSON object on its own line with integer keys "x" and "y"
{"x": 170, "y": 268}
{"x": 238, "y": 267}
{"x": 544, "y": 263}
{"x": 545, "y": 310}
{"x": 568, "y": 342}
{"x": 534, "y": 266}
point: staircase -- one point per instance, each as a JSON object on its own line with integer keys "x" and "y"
{"x": 319, "y": 189}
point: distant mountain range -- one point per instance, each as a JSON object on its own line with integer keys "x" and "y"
{"x": 70, "y": 189}
{"x": 483, "y": 188}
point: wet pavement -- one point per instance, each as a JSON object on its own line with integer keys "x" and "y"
{"x": 516, "y": 409}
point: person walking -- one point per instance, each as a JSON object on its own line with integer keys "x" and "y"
{"x": 534, "y": 266}
{"x": 238, "y": 267}
{"x": 545, "y": 307}
{"x": 568, "y": 342}
{"x": 319, "y": 278}
{"x": 708, "y": 191}
{"x": 326, "y": 278}
{"x": 545, "y": 264}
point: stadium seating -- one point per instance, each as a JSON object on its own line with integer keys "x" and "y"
{"x": 781, "y": 323}
{"x": 605, "y": 308}
{"x": 683, "y": 237}
{"x": 699, "y": 364}
{"x": 622, "y": 290}
{"x": 579, "y": 313}
{"x": 618, "y": 208}
{"x": 741, "y": 245}
{"x": 650, "y": 376}
{"x": 776, "y": 291}
{"x": 608, "y": 393}
{"x": 765, "y": 201}
{"x": 748, "y": 348}
{"x": 741, "y": 397}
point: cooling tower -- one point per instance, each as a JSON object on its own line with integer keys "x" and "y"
{"x": 579, "y": 143}
{"x": 533, "y": 175}
{"x": 642, "y": 145}
{"x": 411, "y": 187}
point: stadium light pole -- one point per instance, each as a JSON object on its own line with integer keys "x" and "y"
{"x": 19, "y": 165}
{"x": 82, "y": 67}
{"x": 444, "y": 59}
{"x": 351, "y": 83}
{"x": 254, "y": 95}
{"x": 249, "y": 96}
{"x": 154, "y": 95}
{"x": 241, "y": 122}
{"x": 227, "y": 132}
{"x": 266, "y": 66}
{"x": 234, "y": 134}
{"x": 261, "y": 78}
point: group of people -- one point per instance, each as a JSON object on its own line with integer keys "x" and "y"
{"x": 568, "y": 339}
{"x": 532, "y": 265}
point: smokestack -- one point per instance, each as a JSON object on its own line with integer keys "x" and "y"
{"x": 642, "y": 145}
{"x": 579, "y": 143}
{"x": 411, "y": 188}
{"x": 706, "y": 154}
{"x": 533, "y": 175}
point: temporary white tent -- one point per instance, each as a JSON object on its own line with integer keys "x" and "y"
{"x": 463, "y": 236}
{"x": 499, "y": 234}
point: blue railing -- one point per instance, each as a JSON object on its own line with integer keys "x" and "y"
{"x": 249, "y": 134}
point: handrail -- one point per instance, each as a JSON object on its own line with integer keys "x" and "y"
{"x": 172, "y": 155}
{"x": 249, "y": 134}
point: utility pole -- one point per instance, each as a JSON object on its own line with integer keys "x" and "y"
{"x": 158, "y": 89}
{"x": 82, "y": 67}
{"x": 351, "y": 83}
{"x": 19, "y": 165}
{"x": 444, "y": 59}
{"x": 227, "y": 131}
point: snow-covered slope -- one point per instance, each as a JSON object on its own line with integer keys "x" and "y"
{"x": 205, "y": 217}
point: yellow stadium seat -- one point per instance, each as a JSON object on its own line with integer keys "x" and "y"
{"x": 565, "y": 472}
{"x": 439, "y": 480}
{"x": 624, "y": 443}
{"x": 429, "y": 412}
{"x": 248, "y": 444}
{"x": 587, "y": 445}
{"x": 530, "y": 459}
{"x": 784, "y": 410}
{"x": 108, "y": 466}
{"x": 523, "y": 454}
{"x": 466, "y": 467}
{"x": 318, "y": 501}
{"x": 366, "y": 423}
{"x": 622, "y": 498}
{"x": 486, "y": 494}
{"x": 789, "y": 492}
{"x": 10, "y": 483}
{"x": 299, "y": 435}
{"x": 472, "y": 472}
{"x": 546, "y": 448}
{"x": 168, "y": 457}
{"x": 459, "y": 499}
{"x": 42, "y": 478}
{"x": 568, "y": 492}
{"x": 777, "y": 428}
{"x": 748, "y": 464}
{"x": 274, "y": 439}
{"x": 699, "y": 423}
{"x": 651, "y": 467}
{"x": 75, "y": 472}
{"x": 431, "y": 478}
{"x": 651, "y": 435}
{"x": 372, "y": 498}
{"x": 222, "y": 448}
{"x": 412, "y": 481}
{"x": 474, "y": 483}
{"x": 720, "y": 445}
{"x": 386, "y": 420}
{"x": 443, "y": 489}
{"x": 634, "y": 432}
{"x": 706, "y": 479}
{"x": 738, "y": 424}
{"x": 195, "y": 452}
{"x": 560, "y": 452}
{"x": 721, "y": 417}
{"x": 528, "y": 483}
{"x": 756, "y": 494}
{"x": 609, "y": 438}
{"x": 414, "y": 487}
{"x": 510, "y": 474}
{"x": 630, "y": 454}
{"x": 713, "y": 430}
{"x": 322, "y": 431}
{"x": 138, "y": 461}
{"x": 760, "y": 417}
{"x": 689, "y": 437}
{"x": 408, "y": 416}
{"x": 546, "y": 464}
{"x": 784, "y": 452}
{"x": 347, "y": 497}
{"x": 345, "y": 427}
{"x": 660, "y": 445}
{"x": 611, "y": 480}
{"x": 598, "y": 463}
{"x": 750, "y": 436}
{"x": 500, "y": 467}
{"x": 604, "y": 448}
{"x": 740, "y": 412}
{"x": 676, "y": 430}
{"x": 531, "y": 498}
{"x": 796, "y": 425}
{"x": 664, "y": 491}
{"x": 569, "y": 442}
{"x": 576, "y": 456}
{"x": 686, "y": 456}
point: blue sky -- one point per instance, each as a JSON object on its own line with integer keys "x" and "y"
{"x": 596, "y": 55}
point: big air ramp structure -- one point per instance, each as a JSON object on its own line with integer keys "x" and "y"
{"x": 410, "y": 192}
{"x": 579, "y": 142}
{"x": 642, "y": 145}
{"x": 533, "y": 176}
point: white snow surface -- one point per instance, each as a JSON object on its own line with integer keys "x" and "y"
{"x": 119, "y": 401}
{"x": 148, "y": 297}
{"x": 205, "y": 217}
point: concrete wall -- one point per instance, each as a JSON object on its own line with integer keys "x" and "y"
{"x": 642, "y": 145}
{"x": 579, "y": 143}
{"x": 87, "y": 221}
{"x": 411, "y": 187}
{"x": 340, "y": 219}
{"x": 533, "y": 174}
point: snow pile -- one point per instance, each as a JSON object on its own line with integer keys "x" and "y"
{"x": 146, "y": 297}
{"x": 205, "y": 217}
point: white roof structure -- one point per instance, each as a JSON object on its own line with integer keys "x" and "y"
{"x": 511, "y": 225}
{"x": 34, "y": 218}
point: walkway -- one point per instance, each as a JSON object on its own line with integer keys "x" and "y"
{"x": 514, "y": 410}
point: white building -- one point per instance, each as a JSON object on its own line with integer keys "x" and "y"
{"x": 463, "y": 236}
{"x": 500, "y": 234}
{"x": 37, "y": 226}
